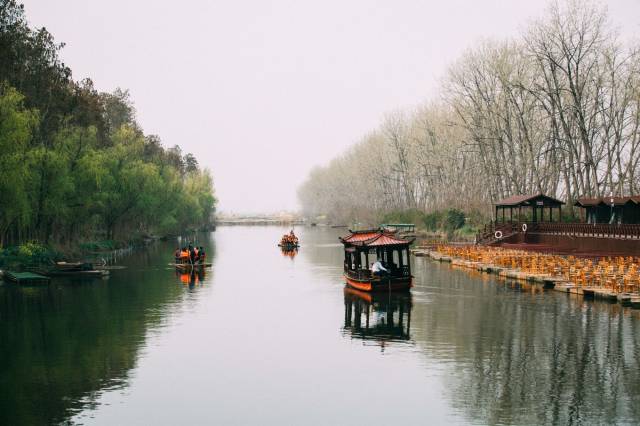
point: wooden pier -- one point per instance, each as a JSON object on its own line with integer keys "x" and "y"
{"x": 545, "y": 280}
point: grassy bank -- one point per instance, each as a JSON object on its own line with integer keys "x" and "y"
{"x": 36, "y": 255}
{"x": 446, "y": 225}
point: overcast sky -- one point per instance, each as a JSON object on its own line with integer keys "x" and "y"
{"x": 261, "y": 91}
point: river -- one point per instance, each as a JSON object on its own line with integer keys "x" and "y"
{"x": 264, "y": 338}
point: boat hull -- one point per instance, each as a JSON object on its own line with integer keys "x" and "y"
{"x": 289, "y": 246}
{"x": 384, "y": 284}
{"x": 191, "y": 265}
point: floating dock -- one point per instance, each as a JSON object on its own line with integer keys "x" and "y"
{"x": 547, "y": 281}
{"x": 25, "y": 278}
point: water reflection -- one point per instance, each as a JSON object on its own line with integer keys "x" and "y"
{"x": 467, "y": 349}
{"x": 290, "y": 253}
{"x": 62, "y": 344}
{"x": 521, "y": 356}
{"x": 191, "y": 278}
{"x": 380, "y": 317}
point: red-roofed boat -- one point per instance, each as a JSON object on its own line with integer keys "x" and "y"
{"x": 391, "y": 250}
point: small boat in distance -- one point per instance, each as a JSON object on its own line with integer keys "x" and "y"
{"x": 289, "y": 241}
{"x": 391, "y": 269}
{"x": 190, "y": 258}
{"x": 186, "y": 265}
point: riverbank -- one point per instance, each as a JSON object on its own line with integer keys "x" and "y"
{"x": 36, "y": 256}
{"x": 536, "y": 276}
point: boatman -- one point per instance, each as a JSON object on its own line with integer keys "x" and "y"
{"x": 378, "y": 269}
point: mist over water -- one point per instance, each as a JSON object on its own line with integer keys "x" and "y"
{"x": 268, "y": 338}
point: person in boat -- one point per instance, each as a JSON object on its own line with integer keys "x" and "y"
{"x": 203, "y": 255}
{"x": 177, "y": 254}
{"x": 192, "y": 254}
{"x": 184, "y": 255}
{"x": 197, "y": 254}
{"x": 378, "y": 270}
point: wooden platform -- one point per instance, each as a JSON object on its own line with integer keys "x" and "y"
{"x": 25, "y": 278}
{"x": 546, "y": 281}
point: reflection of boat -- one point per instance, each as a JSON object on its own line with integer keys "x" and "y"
{"x": 377, "y": 316}
{"x": 289, "y": 252}
{"x": 390, "y": 250}
{"x": 191, "y": 277}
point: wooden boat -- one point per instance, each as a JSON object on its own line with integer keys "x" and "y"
{"x": 97, "y": 273}
{"x": 71, "y": 266}
{"x": 389, "y": 249}
{"x": 191, "y": 265}
{"x": 289, "y": 246}
{"x": 289, "y": 242}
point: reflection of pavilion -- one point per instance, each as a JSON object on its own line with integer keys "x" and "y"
{"x": 377, "y": 316}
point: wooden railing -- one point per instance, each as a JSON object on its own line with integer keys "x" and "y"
{"x": 365, "y": 274}
{"x": 489, "y": 231}
{"x": 601, "y": 230}
{"x": 598, "y": 230}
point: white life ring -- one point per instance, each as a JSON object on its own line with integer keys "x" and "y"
{"x": 524, "y": 227}
{"x": 498, "y": 235}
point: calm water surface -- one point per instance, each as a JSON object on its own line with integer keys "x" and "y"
{"x": 263, "y": 338}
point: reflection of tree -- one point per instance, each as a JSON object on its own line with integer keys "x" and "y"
{"x": 525, "y": 357}
{"x": 381, "y": 317}
{"x": 61, "y": 345}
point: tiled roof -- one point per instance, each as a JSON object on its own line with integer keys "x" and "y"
{"x": 525, "y": 199}
{"x": 357, "y": 237}
{"x": 588, "y": 202}
{"x": 374, "y": 239}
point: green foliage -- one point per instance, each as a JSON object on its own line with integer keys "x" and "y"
{"x": 27, "y": 254}
{"x": 442, "y": 220}
{"x": 453, "y": 219}
{"x": 74, "y": 163}
{"x": 432, "y": 221}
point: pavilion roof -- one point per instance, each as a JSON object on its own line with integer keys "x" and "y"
{"x": 528, "y": 200}
{"x": 606, "y": 201}
{"x": 374, "y": 238}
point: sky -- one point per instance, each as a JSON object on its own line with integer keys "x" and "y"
{"x": 262, "y": 91}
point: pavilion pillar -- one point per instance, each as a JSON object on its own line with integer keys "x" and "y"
{"x": 408, "y": 260}
{"x": 511, "y": 214}
{"x": 400, "y": 260}
{"x": 366, "y": 256}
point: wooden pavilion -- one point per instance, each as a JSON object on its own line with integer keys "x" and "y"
{"x": 609, "y": 226}
{"x": 614, "y": 210}
{"x": 528, "y": 208}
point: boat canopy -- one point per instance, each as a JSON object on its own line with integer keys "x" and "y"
{"x": 374, "y": 238}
